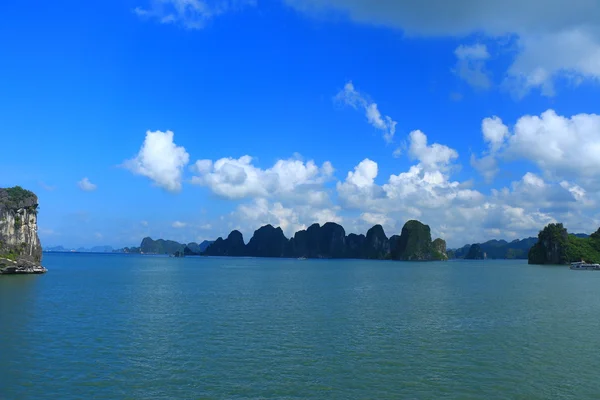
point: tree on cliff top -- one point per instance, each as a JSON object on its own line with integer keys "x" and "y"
{"x": 551, "y": 247}
{"x": 17, "y": 197}
{"x": 556, "y": 246}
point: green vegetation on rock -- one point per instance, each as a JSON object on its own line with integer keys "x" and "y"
{"x": 19, "y": 243}
{"x": 414, "y": 244}
{"x": 475, "y": 253}
{"x": 160, "y": 246}
{"x": 556, "y": 246}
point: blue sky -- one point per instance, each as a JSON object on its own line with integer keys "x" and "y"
{"x": 494, "y": 131}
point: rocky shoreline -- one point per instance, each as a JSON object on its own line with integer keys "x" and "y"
{"x": 10, "y": 267}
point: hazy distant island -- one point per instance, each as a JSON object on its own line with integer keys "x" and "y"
{"x": 20, "y": 248}
{"x": 556, "y": 246}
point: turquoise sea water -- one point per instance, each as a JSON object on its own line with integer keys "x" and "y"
{"x": 143, "y": 327}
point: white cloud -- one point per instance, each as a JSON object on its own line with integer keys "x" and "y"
{"x": 359, "y": 184}
{"x": 431, "y": 157}
{"x": 98, "y": 235}
{"x": 191, "y": 14}
{"x": 240, "y": 178}
{"x": 553, "y": 38}
{"x": 470, "y": 65}
{"x": 351, "y": 97}
{"x": 179, "y": 224}
{"x": 86, "y": 185}
{"x": 457, "y": 212}
{"x": 161, "y": 160}
{"x": 561, "y": 147}
{"x": 494, "y": 135}
{"x": 144, "y": 223}
{"x": 376, "y": 219}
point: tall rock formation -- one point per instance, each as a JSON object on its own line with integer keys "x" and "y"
{"x": 414, "y": 244}
{"x": 377, "y": 246}
{"x": 327, "y": 241}
{"x": 475, "y": 253}
{"x": 20, "y": 248}
{"x": 551, "y": 247}
{"x": 330, "y": 241}
{"x": 233, "y": 246}
{"x": 267, "y": 241}
{"x": 355, "y": 246}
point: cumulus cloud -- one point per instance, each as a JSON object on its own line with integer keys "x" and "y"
{"x": 552, "y": 38}
{"x": 561, "y": 147}
{"x": 86, "y": 185}
{"x": 462, "y": 215}
{"x": 431, "y": 157}
{"x": 427, "y": 191}
{"x": 494, "y": 135}
{"x": 454, "y": 210}
{"x": 179, "y": 224}
{"x": 239, "y": 178}
{"x": 470, "y": 65}
{"x": 191, "y": 14}
{"x": 160, "y": 160}
{"x": 558, "y": 145}
{"x": 351, "y": 97}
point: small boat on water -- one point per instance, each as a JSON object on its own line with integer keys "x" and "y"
{"x": 582, "y": 265}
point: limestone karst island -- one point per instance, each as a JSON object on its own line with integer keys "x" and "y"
{"x": 20, "y": 248}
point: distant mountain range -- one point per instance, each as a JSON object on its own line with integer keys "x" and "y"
{"x": 498, "y": 249}
{"x": 95, "y": 249}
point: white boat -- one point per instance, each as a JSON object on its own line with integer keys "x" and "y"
{"x": 582, "y": 265}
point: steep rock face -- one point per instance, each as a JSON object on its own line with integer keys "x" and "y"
{"x": 414, "y": 244}
{"x": 475, "y": 253}
{"x": 355, "y": 246}
{"x": 551, "y": 247}
{"x": 332, "y": 242}
{"x": 20, "y": 248}
{"x": 267, "y": 241}
{"x": 233, "y": 246}
{"x": 439, "y": 248}
{"x": 377, "y": 245}
{"x": 313, "y": 241}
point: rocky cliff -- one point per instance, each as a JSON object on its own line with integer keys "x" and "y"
{"x": 475, "y": 253}
{"x": 20, "y": 248}
{"x": 551, "y": 246}
{"x": 414, "y": 244}
{"x": 556, "y": 246}
{"x": 330, "y": 241}
{"x": 233, "y": 246}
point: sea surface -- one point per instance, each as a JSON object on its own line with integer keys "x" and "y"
{"x": 148, "y": 327}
